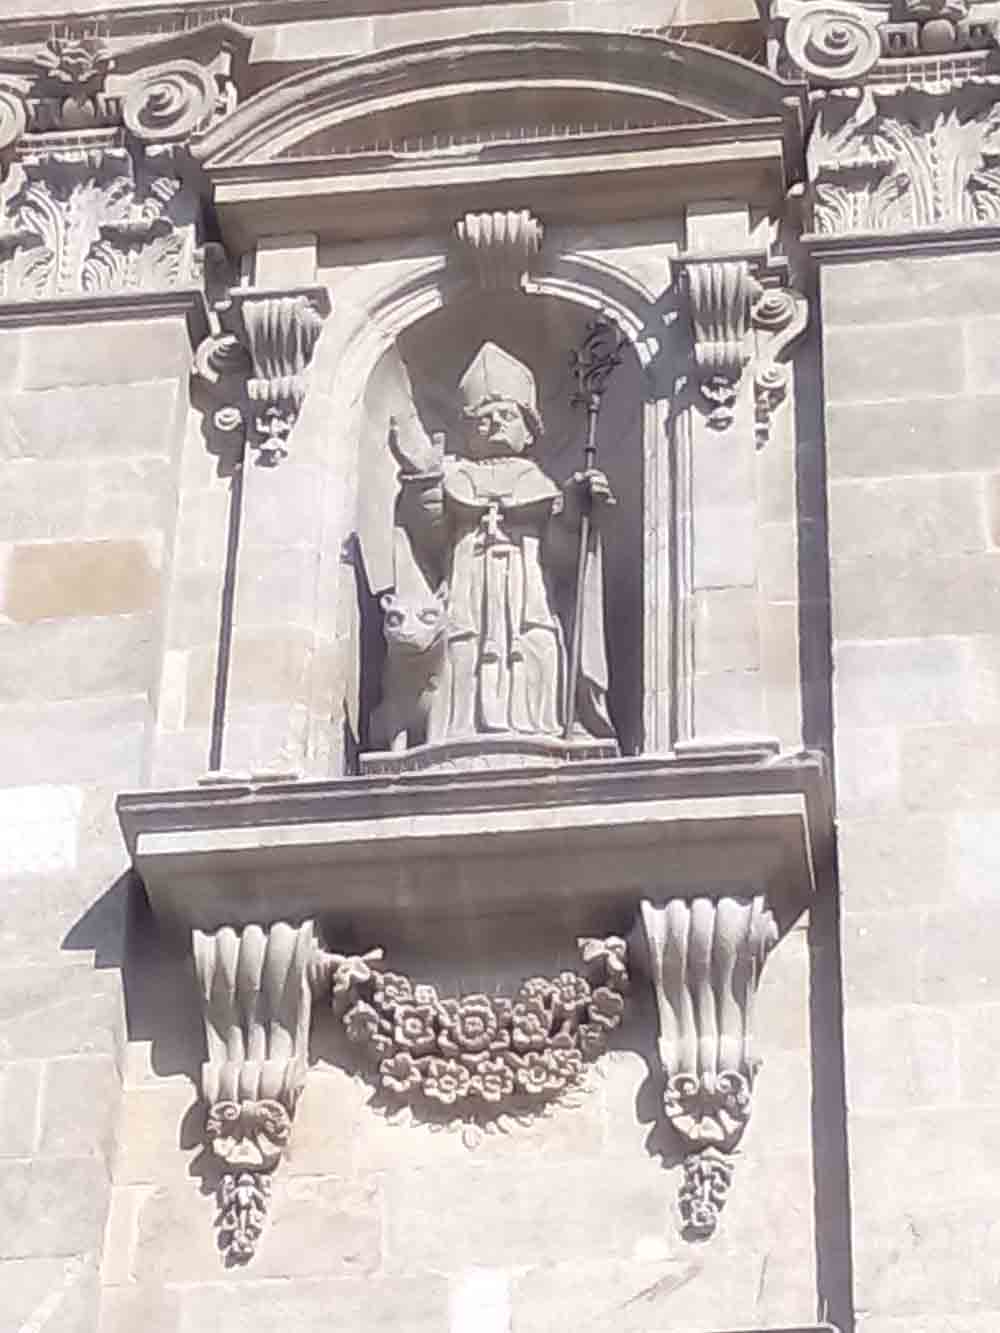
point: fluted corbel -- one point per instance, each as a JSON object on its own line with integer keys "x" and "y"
{"x": 254, "y": 988}
{"x": 705, "y": 958}
{"x": 498, "y": 249}
{"x": 280, "y": 330}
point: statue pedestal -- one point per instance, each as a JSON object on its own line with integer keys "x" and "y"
{"x": 473, "y": 754}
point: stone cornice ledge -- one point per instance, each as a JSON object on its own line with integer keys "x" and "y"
{"x": 134, "y": 305}
{"x": 598, "y": 836}
{"x": 887, "y": 244}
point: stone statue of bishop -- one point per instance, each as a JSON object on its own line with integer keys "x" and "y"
{"x": 492, "y": 528}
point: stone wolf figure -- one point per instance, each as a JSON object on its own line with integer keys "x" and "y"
{"x": 415, "y": 691}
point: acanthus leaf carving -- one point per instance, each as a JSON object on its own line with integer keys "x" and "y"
{"x": 893, "y": 157}
{"x": 254, "y": 986}
{"x": 705, "y": 956}
{"x": 479, "y": 1057}
{"x": 87, "y": 220}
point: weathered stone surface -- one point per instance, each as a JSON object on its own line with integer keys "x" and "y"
{"x": 908, "y": 288}
{"x": 80, "y": 1098}
{"x": 74, "y": 659}
{"x": 904, "y": 437}
{"x": 59, "y": 1294}
{"x": 88, "y": 422}
{"x": 319, "y": 1306}
{"x": 154, "y": 1309}
{"x": 75, "y": 741}
{"x": 20, "y": 1089}
{"x": 869, "y": 760}
{"x": 541, "y": 1215}
{"x": 883, "y": 952}
{"x": 950, "y": 767}
{"x": 900, "y": 1057}
{"x": 903, "y": 682}
{"x": 53, "y": 1206}
{"x": 110, "y": 498}
{"x": 93, "y": 578}
{"x": 176, "y": 1242}
{"x": 897, "y": 860}
{"x": 958, "y": 933}
{"x": 113, "y": 352}
{"x": 908, "y": 516}
{"x": 903, "y": 1259}
{"x": 54, "y": 1011}
{"x": 915, "y": 596}
{"x": 867, "y": 364}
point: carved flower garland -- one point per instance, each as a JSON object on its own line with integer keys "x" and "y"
{"x": 480, "y": 1053}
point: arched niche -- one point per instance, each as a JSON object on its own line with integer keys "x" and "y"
{"x": 415, "y": 380}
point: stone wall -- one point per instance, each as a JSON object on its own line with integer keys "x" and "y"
{"x": 562, "y": 1225}
{"x": 912, "y": 413}
{"x": 90, "y": 418}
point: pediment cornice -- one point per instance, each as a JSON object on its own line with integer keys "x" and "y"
{"x": 709, "y": 85}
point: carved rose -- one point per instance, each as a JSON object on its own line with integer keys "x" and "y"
{"x": 606, "y": 1007}
{"x": 536, "y": 1074}
{"x": 392, "y": 989}
{"x": 400, "y": 1073}
{"x": 612, "y": 952}
{"x": 361, "y": 1022}
{"x": 571, "y": 993}
{"x": 414, "y": 1029}
{"x": 493, "y": 1080}
{"x": 483, "y": 1047}
{"x": 445, "y": 1080}
{"x": 471, "y": 1025}
{"x": 529, "y": 1026}
{"x": 567, "y": 1064}
{"x": 536, "y": 988}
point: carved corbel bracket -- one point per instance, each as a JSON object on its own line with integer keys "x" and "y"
{"x": 256, "y": 1003}
{"x": 500, "y": 248}
{"x": 705, "y": 959}
{"x": 279, "y": 331}
{"x": 737, "y": 321}
{"x": 479, "y": 1058}
{"x": 719, "y": 293}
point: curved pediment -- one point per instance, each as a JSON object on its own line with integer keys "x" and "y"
{"x": 441, "y": 96}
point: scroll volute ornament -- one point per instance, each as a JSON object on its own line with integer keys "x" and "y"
{"x": 705, "y": 958}
{"x": 169, "y": 102}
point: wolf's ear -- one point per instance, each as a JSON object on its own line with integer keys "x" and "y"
{"x": 387, "y": 601}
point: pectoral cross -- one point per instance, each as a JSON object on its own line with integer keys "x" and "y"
{"x": 489, "y": 524}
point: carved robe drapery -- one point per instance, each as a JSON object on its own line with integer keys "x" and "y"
{"x": 498, "y": 532}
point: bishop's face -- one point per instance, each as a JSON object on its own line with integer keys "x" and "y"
{"x": 496, "y": 428}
